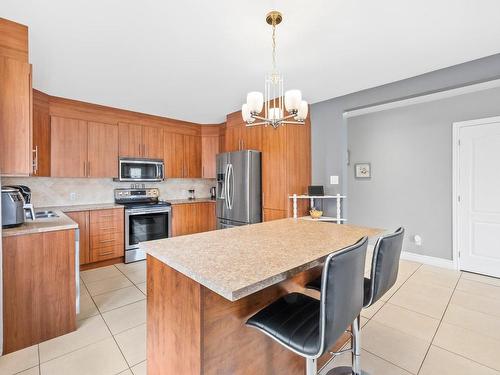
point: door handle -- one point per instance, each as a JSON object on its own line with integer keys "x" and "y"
{"x": 35, "y": 160}
{"x": 226, "y": 185}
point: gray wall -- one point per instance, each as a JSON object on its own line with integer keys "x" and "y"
{"x": 329, "y": 130}
{"x": 410, "y": 151}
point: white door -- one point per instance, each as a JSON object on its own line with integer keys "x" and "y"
{"x": 479, "y": 190}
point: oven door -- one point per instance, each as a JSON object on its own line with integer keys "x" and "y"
{"x": 144, "y": 225}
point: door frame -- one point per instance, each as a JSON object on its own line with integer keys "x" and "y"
{"x": 456, "y": 168}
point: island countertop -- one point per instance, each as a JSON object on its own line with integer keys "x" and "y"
{"x": 237, "y": 262}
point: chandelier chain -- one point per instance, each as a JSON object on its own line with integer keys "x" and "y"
{"x": 274, "y": 47}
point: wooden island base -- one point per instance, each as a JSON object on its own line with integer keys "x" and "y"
{"x": 192, "y": 330}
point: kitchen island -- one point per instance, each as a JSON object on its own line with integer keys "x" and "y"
{"x": 202, "y": 288}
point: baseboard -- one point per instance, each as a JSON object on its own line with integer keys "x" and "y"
{"x": 425, "y": 259}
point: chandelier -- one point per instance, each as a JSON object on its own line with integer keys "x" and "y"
{"x": 273, "y": 101}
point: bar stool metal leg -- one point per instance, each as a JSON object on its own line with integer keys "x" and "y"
{"x": 355, "y": 368}
{"x": 311, "y": 366}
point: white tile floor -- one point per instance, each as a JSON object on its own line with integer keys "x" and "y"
{"x": 433, "y": 321}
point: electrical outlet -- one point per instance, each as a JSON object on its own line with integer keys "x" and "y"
{"x": 72, "y": 196}
{"x": 334, "y": 180}
{"x": 418, "y": 240}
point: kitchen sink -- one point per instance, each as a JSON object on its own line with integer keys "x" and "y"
{"x": 45, "y": 214}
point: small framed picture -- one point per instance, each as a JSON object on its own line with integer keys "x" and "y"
{"x": 362, "y": 170}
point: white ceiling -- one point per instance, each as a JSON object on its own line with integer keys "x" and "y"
{"x": 196, "y": 60}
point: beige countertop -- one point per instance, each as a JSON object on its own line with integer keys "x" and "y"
{"x": 185, "y": 201}
{"x": 82, "y": 207}
{"x": 62, "y": 222}
{"x": 240, "y": 261}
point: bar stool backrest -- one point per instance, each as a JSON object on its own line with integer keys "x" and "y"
{"x": 385, "y": 264}
{"x": 342, "y": 294}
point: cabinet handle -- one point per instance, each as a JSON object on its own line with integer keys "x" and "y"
{"x": 35, "y": 160}
{"x": 85, "y": 169}
{"x": 88, "y": 169}
{"x": 203, "y": 171}
{"x": 143, "y": 150}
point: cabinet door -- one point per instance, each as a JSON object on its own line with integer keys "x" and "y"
{"x": 233, "y": 139}
{"x": 15, "y": 117}
{"x": 209, "y": 150}
{"x": 270, "y": 215}
{"x": 274, "y": 168}
{"x": 130, "y": 140}
{"x": 152, "y": 142}
{"x": 252, "y": 137}
{"x": 39, "y": 288}
{"x": 183, "y": 219}
{"x": 205, "y": 216}
{"x": 68, "y": 156}
{"x": 102, "y": 150}
{"x": 192, "y": 156}
{"x": 41, "y": 134}
{"x": 173, "y": 151}
{"x": 82, "y": 219}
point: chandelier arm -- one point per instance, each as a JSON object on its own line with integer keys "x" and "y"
{"x": 293, "y": 122}
{"x": 257, "y": 124}
{"x": 261, "y": 118}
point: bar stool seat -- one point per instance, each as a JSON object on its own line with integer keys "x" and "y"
{"x": 293, "y": 320}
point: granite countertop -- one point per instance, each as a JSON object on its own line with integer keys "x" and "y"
{"x": 185, "y": 201}
{"x": 82, "y": 207}
{"x": 237, "y": 262}
{"x": 62, "y": 222}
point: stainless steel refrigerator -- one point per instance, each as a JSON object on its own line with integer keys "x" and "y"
{"x": 239, "y": 188}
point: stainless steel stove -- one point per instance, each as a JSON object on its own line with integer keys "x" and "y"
{"x": 146, "y": 219}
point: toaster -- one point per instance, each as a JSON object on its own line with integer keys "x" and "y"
{"x": 12, "y": 207}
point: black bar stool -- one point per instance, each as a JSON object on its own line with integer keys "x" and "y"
{"x": 383, "y": 275}
{"x": 309, "y": 327}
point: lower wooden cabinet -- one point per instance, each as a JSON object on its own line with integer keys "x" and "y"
{"x": 39, "y": 288}
{"x": 101, "y": 234}
{"x": 270, "y": 215}
{"x": 192, "y": 218}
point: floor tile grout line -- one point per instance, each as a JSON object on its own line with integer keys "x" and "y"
{"x": 386, "y": 360}
{"x": 466, "y": 358}
{"x": 135, "y": 284}
{"x": 440, "y": 323}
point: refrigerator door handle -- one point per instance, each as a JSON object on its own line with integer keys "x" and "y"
{"x": 226, "y": 186}
{"x": 232, "y": 186}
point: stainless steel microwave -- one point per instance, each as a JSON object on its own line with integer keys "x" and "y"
{"x": 137, "y": 169}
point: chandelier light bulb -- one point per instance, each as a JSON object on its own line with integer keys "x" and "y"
{"x": 293, "y": 98}
{"x": 275, "y": 114}
{"x": 245, "y": 113}
{"x": 255, "y": 102}
{"x": 303, "y": 111}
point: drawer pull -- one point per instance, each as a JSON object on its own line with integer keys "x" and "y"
{"x": 108, "y": 228}
{"x": 104, "y": 241}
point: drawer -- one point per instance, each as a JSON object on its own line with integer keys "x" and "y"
{"x": 106, "y": 216}
{"x": 107, "y": 239}
{"x": 107, "y": 252}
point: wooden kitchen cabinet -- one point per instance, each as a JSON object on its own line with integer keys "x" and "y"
{"x": 101, "y": 234}
{"x": 209, "y": 151}
{"x": 41, "y": 134}
{"x": 270, "y": 215}
{"x": 189, "y": 218}
{"x": 140, "y": 141}
{"x": 102, "y": 150}
{"x": 106, "y": 234}
{"x": 83, "y": 149}
{"x": 240, "y": 137}
{"x": 173, "y": 147}
{"x": 68, "y": 150}
{"x": 39, "y": 288}
{"x": 192, "y": 156}
{"x": 82, "y": 219}
{"x": 274, "y": 169}
{"x": 182, "y": 155}
{"x": 15, "y": 117}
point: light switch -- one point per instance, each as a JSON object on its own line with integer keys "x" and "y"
{"x": 334, "y": 180}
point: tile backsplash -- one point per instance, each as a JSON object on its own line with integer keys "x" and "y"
{"x": 49, "y": 191}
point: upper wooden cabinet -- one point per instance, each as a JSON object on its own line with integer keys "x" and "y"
{"x": 82, "y": 149}
{"x": 209, "y": 151}
{"x": 182, "y": 155}
{"x": 240, "y": 137}
{"x": 13, "y": 40}
{"x": 15, "y": 117}
{"x": 140, "y": 141}
{"x": 102, "y": 150}
{"x": 41, "y": 134}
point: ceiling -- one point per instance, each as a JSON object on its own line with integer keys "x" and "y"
{"x": 196, "y": 60}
